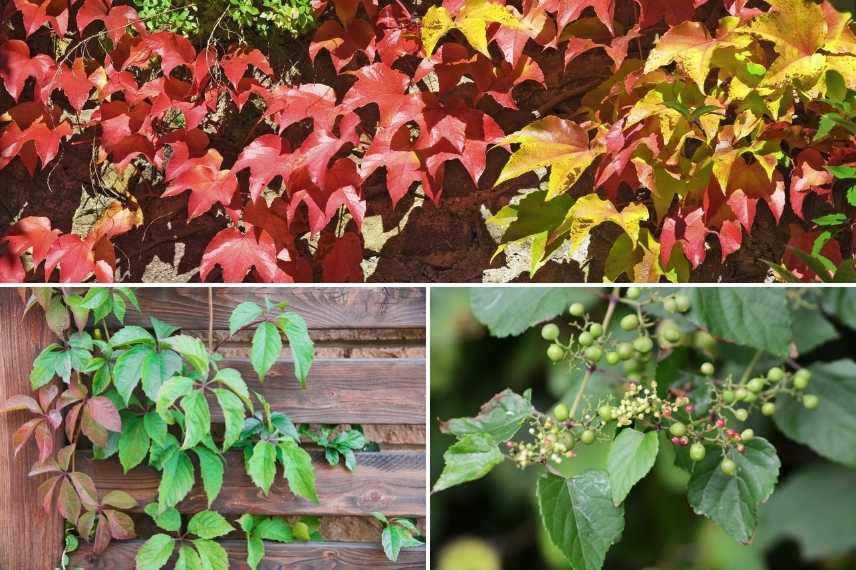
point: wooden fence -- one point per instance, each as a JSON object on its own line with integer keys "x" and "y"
{"x": 369, "y": 370}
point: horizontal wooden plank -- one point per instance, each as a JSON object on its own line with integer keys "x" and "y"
{"x": 322, "y": 307}
{"x": 296, "y": 556}
{"x": 342, "y": 390}
{"x": 392, "y": 482}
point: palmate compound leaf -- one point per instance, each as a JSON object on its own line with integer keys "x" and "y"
{"x": 631, "y": 456}
{"x": 470, "y": 458}
{"x": 472, "y": 20}
{"x": 732, "y": 502}
{"x": 236, "y": 253}
{"x": 558, "y": 143}
{"x": 500, "y": 418}
{"x": 208, "y": 184}
{"x": 580, "y": 517}
{"x": 591, "y": 211}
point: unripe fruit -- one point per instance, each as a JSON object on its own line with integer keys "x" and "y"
{"x": 301, "y": 531}
{"x": 596, "y": 330}
{"x": 810, "y": 401}
{"x": 728, "y": 396}
{"x": 555, "y": 352}
{"x": 643, "y": 344}
{"x": 755, "y": 385}
{"x": 747, "y": 435}
{"x": 629, "y": 322}
{"x": 670, "y": 305}
{"x": 705, "y": 341}
{"x": 550, "y": 332}
{"x": 750, "y": 397}
{"x": 697, "y": 451}
{"x": 594, "y": 353}
{"x": 678, "y": 429}
{"x": 768, "y": 409}
{"x": 577, "y": 310}
{"x": 669, "y": 332}
{"x": 801, "y": 379}
{"x": 631, "y": 366}
{"x": 741, "y": 414}
{"x": 585, "y": 339}
{"x": 625, "y": 351}
{"x": 633, "y": 293}
{"x": 96, "y": 334}
{"x": 682, "y": 302}
{"x": 741, "y": 393}
{"x": 560, "y": 412}
{"x": 568, "y": 440}
{"x": 634, "y": 377}
{"x": 612, "y": 358}
{"x": 775, "y": 374}
{"x": 587, "y": 437}
{"x": 606, "y": 413}
{"x": 728, "y": 467}
{"x": 707, "y": 369}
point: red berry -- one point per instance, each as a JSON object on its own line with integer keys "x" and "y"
{"x": 689, "y": 408}
{"x": 676, "y": 440}
{"x": 720, "y": 423}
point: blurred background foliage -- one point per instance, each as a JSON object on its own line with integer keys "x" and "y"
{"x": 809, "y": 523}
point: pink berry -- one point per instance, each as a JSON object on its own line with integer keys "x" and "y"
{"x": 689, "y": 408}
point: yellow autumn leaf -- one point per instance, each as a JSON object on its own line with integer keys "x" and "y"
{"x": 591, "y": 211}
{"x": 642, "y": 264}
{"x": 472, "y": 20}
{"x": 558, "y": 143}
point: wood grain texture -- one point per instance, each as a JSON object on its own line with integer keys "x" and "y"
{"x": 322, "y": 307}
{"x": 342, "y": 390}
{"x": 29, "y": 538}
{"x": 300, "y": 556}
{"x": 390, "y": 482}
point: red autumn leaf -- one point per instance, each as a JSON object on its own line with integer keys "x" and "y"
{"x": 803, "y": 240}
{"x": 343, "y": 43}
{"x": 401, "y": 35}
{"x": 102, "y": 534}
{"x": 393, "y": 150}
{"x": 567, "y": 12}
{"x": 31, "y": 233}
{"x": 342, "y": 189}
{"x": 20, "y": 403}
{"x": 688, "y": 231}
{"x": 103, "y": 411}
{"x": 385, "y": 87}
{"x": 673, "y": 11}
{"x": 117, "y": 19}
{"x": 36, "y": 15}
{"x": 33, "y": 135}
{"x": 341, "y": 258}
{"x": 236, "y": 253}
{"x": 74, "y": 82}
{"x": 287, "y": 105}
{"x": 121, "y": 525}
{"x": 267, "y": 158}
{"x": 16, "y": 66}
{"x": 236, "y": 63}
{"x": 85, "y": 488}
{"x": 809, "y": 176}
{"x": 208, "y": 184}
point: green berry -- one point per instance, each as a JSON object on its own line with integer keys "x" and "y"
{"x": 561, "y": 412}
{"x": 596, "y": 330}
{"x": 670, "y": 305}
{"x": 612, "y": 358}
{"x": 643, "y": 344}
{"x": 768, "y": 409}
{"x": 678, "y": 429}
{"x": 629, "y": 322}
{"x": 682, "y": 302}
{"x": 728, "y": 396}
{"x": 742, "y": 414}
{"x": 586, "y": 339}
{"x": 728, "y": 467}
{"x": 594, "y": 353}
{"x": 750, "y": 397}
{"x": 568, "y": 440}
{"x": 670, "y": 332}
{"x": 633, "y": 293}
{"x": 550, "y": 332}
{"x": 625, "y": 351}
{"x": 775, "y": 374}
{"x": 756, "y": 385}
{"x": 801, "y": 379}
{"x": 810, "y": 401}
{"x": 707, "y": 369}
{"x": 741, "y": 394}
{"x": 634, "y": 377}
{"x": 631, "y": 366}
{"x": 697, "y": 451}
{"x": 555, "y": 352}
{"x": 577, "y": 310}
{"x": 704, "y": 341}
{"x": 587, "y": 437}
{"x": 747, "y": 435}
{"x": 606, "y": 413}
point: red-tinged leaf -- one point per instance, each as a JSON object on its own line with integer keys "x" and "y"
{"x": 392, "y": 149}
{"x": 54, "y": 419}
{"x": 52, "y": 12}
{"x": 316, "y": 152}
{"x": 74, "y": 258}
{"x": 49, "y": 466}
{"x": 85, "y": 489}
{"x": 124, "y": 130}
{"x": 673, "y": 11}
{"x": 68, "y": 502}
{"x": 92, "y": 429}
{"x": 273, "y": 219}
{"x": 400, "y": 33}
{"x": 236, "y": 63}
{"x": 342, "y": 189}
{"x": 237, "y": 253}
{"x": 341, "y": 260}
{"x": 64, "y": 455}
{"x": 119, "y": 499}
{"x": 287, "y": 105}
{"x": 689, "y": 232}
{"x": 174, "y": 50}
{"x": 343, "y": 43}
{"x": 16, "y": 66}
{"x": 385, "y": 87}
{"x": 33, "y": 135}
{"x": 19, "y": 403}
{"x": 117, "y": 19}
{"x": 730, "y": 237}
{"x": 46, "y": 395}
{"x": 567, "y": 12}
{"x": 71, "y": 419}
{"x": 266, "y": 158}
{"x": 44, "y": 437}
{"x": 31, "y": 233}
{"x": 755, "y": 183}
{"x": 102, "y": 534}
{"x": 11, "y": 267}
{"x": 74, "y": 82}
{"x": 809, "y": 176}
{"x": 121, "y": 525}
{"x": 208, "y": 184}
{"x": 46, "y": 492}
{"x": 104, "y": 412}
{"x": 85, "y": 524}
{"x": 23, "y": 434}
{"x": 743, "y": 209}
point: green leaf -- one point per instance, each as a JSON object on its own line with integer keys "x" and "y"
{"x": 830, "y": 220}
{"x": 275, "y": 528}
{"x": 172, "y": 390}
{"x": 128, "y": 370}
{"x": 266, "y": 347}
{"x": 732, "y": 502}
{"x": 131, "y": 334}
{"x": 155, "y": 552}
{"x": 156, "y": 428}
{"x": 197, "y": 418}
{"x": 169, "y": 520}
{"x": 255, "y": 551}
{"x": 851, "y": 195}
{"x": 509, "y": 311}
{"x": 44, "y": 366}
{"x": 500, "y": 418}
{"x": 302, "y": 347}
{"x": 262, "y": 465}
{"x": 830, "y": 429}
{"x": 242, "y": 315}
{"x": 811, "y": 329}
{"x": 192, "y": 350}
{"x": 213, "y": 555}
{"x": 391, "y": 541}
{"x": 209, "y": 524}
{"x": 162, "y": 329}
{"x": 157, "y": 368}
{"x": 188, "y": 559}
{"x": 231, "y": 378}
{"x": 842, "y": 172}
{"x": 470, "y": 458}
{"x": 211, "y": 468}
{"x": 631, "y": 456}
{"x": 233, "y": 415}
{"x": 134, "y": 442}
{"x": 754, "y": 316}
{"x": 298, "y": 470}
{"x": 95, "y": 297}
{"x": 176, "y": 481}
{"x": 580, "y": 517}
{"x": 57, "y": 316}
{"x": 840, "y": 302}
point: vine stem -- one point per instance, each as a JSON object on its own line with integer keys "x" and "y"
{"x": 610, "y": 310}
{"x": 751, "y": 367}
{"x": 210, "y": 319}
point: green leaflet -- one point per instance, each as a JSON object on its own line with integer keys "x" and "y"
{"x": 209, "y": 524}
{"x": 266, "y": 348}
{"x": 261, "y": 466}
{"x": 298, "y": 470}
{"x": 391, "y": 541}
{"x": 470, "y": 458}
{"x": 630, "y": 458}
{"x": 155, "y": 552}
{"x": 580, "y": 517}
{"x": 176, "y": 480}
{"x": 133, "y": 442}
{"x": 169, "y": 519}
{"x": 192, "y": 350}
{"x": 157, "y": 367}
{"x": 733, "y": 502}
{"x": 242, "y": 315}
{"x": 128, "y": 370}
{"x": 197, "y": 418}
{"x": 211, "y": 468}
{"x": 231, "y": 379}
{"x": 830, "y": 430}
{"x": 131, "y": 334}
{"x": 233, "y": 414}
{"x": 44, "y": 366}
{"x": 188, "y": 559}
{"x": 509, "y": 311}
{"x": 500, "y": 418}
{"x": 172, "y": 390}
{"x": 302, "y": 347}
{"x": 213, "y": 555}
